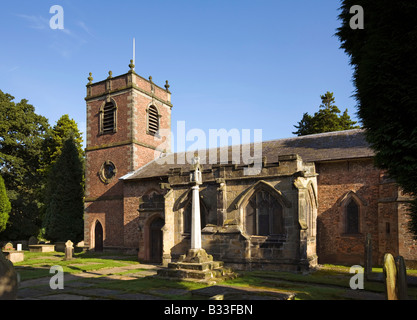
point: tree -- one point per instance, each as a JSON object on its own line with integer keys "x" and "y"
{"x": 5, "y": 206}
{"x": 22, "y": 133}
{"x": 327, "y": 119}
{"x": 61, "y": 131}
{"x": 383, "y": 56}
{"x": 64, "y": 204}
{"x": 53, "y": 143}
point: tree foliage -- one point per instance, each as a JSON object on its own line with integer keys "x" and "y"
{"x": 29, "y": 148}
{"x": 22, "y": 133}
{"x": 327, "y": 119}
{"x": 61, "y": 131}
{"x": 383, "y": 56}
{"x": 64, "y": 204}
{"x": 5, "y": 206}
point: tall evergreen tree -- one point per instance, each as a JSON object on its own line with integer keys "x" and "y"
{"x": 61, "y": 131}
{"x": 53, "y": 143}
{"x": 327, "y": 119}
{"x": 22, "y": 133}
{"x": 5, "y": 206}
{"x": 64, "y": 203}
{"x": 383, "y": 56}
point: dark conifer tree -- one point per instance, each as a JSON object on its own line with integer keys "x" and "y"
{"x": 383, "y": 56}
{"x": 64, "y": 196}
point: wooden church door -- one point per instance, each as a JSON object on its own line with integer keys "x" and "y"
{"x": 155, "y": 240}
{"x": 98, "y": 237}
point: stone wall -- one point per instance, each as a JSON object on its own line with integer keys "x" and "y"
{"x": 225, "y": 192}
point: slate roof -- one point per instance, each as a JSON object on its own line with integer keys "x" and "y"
{"x": 339, "y": 145}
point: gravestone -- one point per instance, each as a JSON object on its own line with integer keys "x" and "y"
{"x": 368, "y": 256}
{"x": 401, "y": 278}
{"x": 8, "y": 247}
{"x": 390, "y": 277}
{"x": 32, "y": 240}
{"x": 8, "y": 279}
{"x": 69, "y": 249}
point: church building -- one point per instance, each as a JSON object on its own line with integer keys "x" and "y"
{"x": 315, "y": 199}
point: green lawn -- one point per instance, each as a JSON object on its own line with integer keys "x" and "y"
{"x": 37, "y": 265}
{"x": 330, "y": 282}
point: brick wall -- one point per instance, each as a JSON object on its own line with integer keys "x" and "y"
{"x": 336, "y": 180}
{"x": 129, "y": 148}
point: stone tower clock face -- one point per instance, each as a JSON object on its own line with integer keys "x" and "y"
{"x": 107, "y": 172}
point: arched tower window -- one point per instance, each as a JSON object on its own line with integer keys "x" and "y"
{"x": 153, "y": 120}
{"x": 108, "y": 118}
{"x": 263, "y": 215}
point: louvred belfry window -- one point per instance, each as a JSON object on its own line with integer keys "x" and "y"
{"x": 153, "y": 120}
{"x": 108, "y": 118}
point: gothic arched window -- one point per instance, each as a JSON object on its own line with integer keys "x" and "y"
{"x": 352, "y": 217}
{"x": 263, "y": 215}
{"x": 352, "y": 212}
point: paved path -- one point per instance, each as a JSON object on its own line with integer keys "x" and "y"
{"x": 83, "y": 286}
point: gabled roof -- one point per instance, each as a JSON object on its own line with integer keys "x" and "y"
{"x": 330, "y": 146}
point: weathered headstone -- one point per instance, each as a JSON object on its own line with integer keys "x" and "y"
{"x": 8, "y": 279}
{"x": 390, "y": 277}
{"x": 8, "y": 247}
{"x": 32, "y": 240}
{"x": 401, "y": 278}
{"x": 69, "y": 249}
{"x": 368, "y": 256}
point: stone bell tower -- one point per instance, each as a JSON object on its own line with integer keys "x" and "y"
{"x": 124, "y": 116}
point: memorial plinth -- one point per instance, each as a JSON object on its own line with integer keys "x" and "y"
{"x": 196, "y": 264}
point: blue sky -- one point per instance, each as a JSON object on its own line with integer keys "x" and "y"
{"x": 231, "y": 64}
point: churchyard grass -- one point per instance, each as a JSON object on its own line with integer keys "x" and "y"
{"x": 37, "y": 265}
{"x": 329, "y": 282}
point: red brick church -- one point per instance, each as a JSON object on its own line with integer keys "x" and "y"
{"x": 314, "y": 200}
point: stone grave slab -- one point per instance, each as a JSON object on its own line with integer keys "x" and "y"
{"x": 42, "y": 248}
{"x": 218, "y": 292}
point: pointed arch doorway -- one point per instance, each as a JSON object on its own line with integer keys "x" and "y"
{"x": 156, "y": 240}
{"x": 98, "y": 237}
